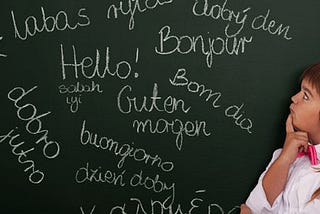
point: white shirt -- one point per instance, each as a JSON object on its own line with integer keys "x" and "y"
{"x": 302, "y": 182}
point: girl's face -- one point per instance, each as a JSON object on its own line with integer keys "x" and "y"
{"x": 305, "y": 110}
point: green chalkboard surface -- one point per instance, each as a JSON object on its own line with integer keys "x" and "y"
{"x": 145, "y": 106}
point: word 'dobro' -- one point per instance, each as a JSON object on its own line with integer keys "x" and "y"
{"x": 29, "y": 114}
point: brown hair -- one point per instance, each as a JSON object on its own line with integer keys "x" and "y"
{"x": 315, "y": 195}
{"x": 312, "y": 75}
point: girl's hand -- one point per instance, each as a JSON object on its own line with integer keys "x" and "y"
{"x": 295, "y": 141}
{"x": 245, "y": 209}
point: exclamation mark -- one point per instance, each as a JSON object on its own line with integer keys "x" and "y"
{"x": 136, "y": 75}
{"x": 2, "y": 55}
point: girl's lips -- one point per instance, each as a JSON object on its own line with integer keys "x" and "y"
{"x": 291, "y": 108}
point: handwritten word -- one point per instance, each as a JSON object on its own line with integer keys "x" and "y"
{"x": 74, "y": 102}
{"x": 154, "y": 184}
{"x": 98, "y": 175}
{"x": 2, "y": 55}
{"x": 84, "y": 174}
{"x": 176, "y": 126}
{"x": 132, "y": 7}
{"x": 196, "y": 206}
{"x": 124, "y": 150}
{"x": 217, "y": 11}
{"x": 233, "y": 111}
{"x": 49, "y": 23}
{"x": 36, "y": 176}
{"x": 260, "y": 22}
{"x": 180, "y": 80}
{"x": 185, "y": 44}
{"x": 51, "y": 149}
{"x": 122, "y": 68}
{"x": 78, "y": 89}
{"x": 169, "y": 104}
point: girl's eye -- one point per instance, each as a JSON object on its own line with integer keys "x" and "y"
{"x": 305, "y": 96}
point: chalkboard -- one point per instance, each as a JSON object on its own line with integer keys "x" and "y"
{"x": 145, "y": 106}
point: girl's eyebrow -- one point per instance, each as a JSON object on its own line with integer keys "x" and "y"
{"x": 307, "y": 90}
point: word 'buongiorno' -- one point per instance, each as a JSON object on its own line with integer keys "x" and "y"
{"x": 88, "y": 137}
{"x": 29, "y": 114}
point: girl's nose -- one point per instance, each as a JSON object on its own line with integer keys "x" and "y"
{"x": 295, "y": 98}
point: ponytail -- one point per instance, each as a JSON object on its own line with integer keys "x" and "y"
{"x": 315, "y": 195}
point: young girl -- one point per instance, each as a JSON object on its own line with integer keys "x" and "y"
{"x": 290, "y": 183}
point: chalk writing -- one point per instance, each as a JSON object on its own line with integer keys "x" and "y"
{"x": 80, "y": 88}
{"x": 91, "y": 68}
{"x": 238, "y": 19}
{"x": 98, "y": 175}
{"x": 36, "y": 176}
{"x": 128, "y": 103}
{"x": 28, "y": 112}
{"x": 73, "y": 93}
{"x": 130, "y": 7}
{"x": 217, "y": 11}
{"x": 136, "y": 75}
{"x": 91, "y": 211}
{"x": 176, "y": 127}
{"x": 82, "y": 73}
{"x": 261, "y": 22}
{"x": 205, "y": 45}
{"x": 124, "y": 150}
{"x": 196, "y": 205}
{"x": 233, "y": 111}
{"x": 49, "y": 23}
{"x": 51, "y": 149}
{"x": 154, "y": 184}
{"x": 1, "y": 54}
{"x": 74, "y": 102}
{"x": 210, "y": 95}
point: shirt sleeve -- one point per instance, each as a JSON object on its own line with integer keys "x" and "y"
{"x": 257, "y": 200}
